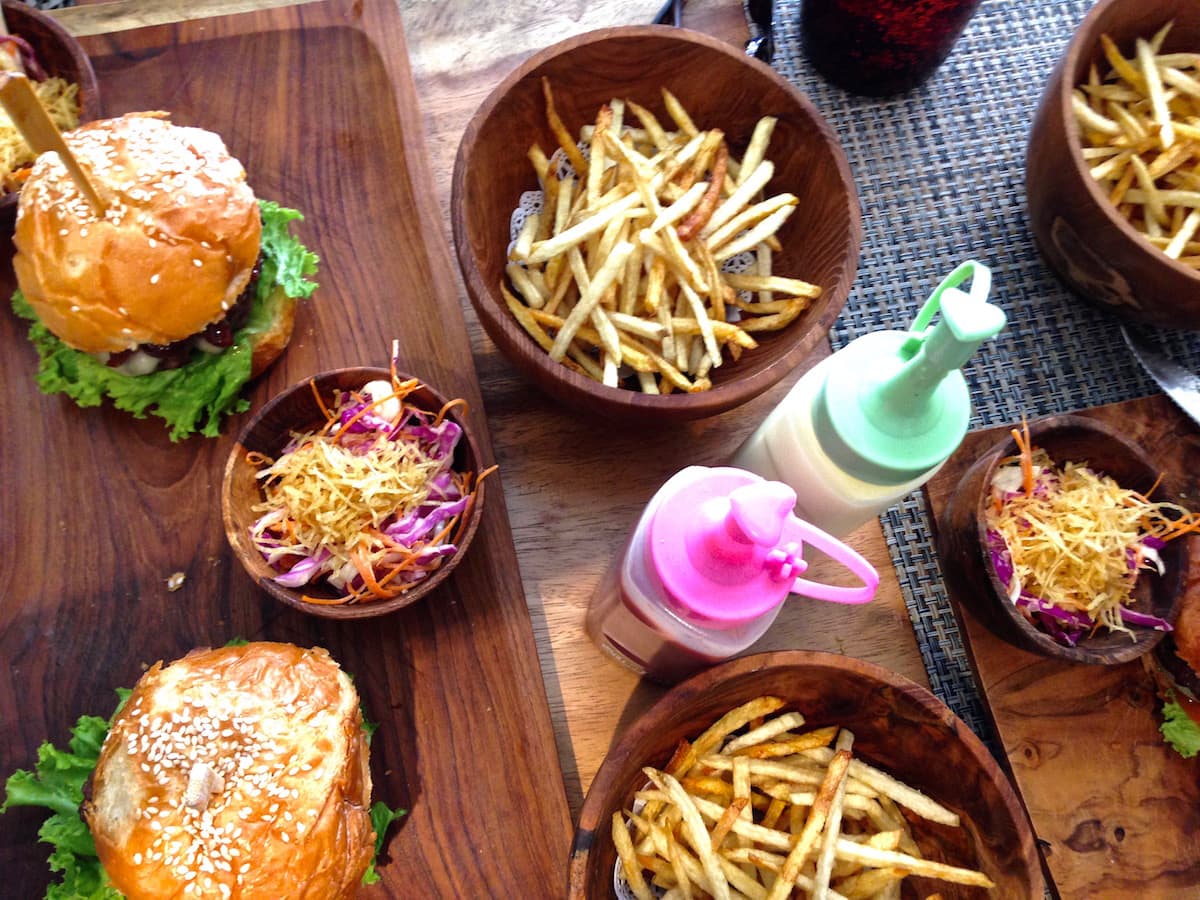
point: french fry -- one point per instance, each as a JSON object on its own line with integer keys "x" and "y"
{"x": 818, "y": 814}
{"x": 825, "y": 858}
{"x": 757, "y": 150}
{"x": 695, "y": 832}
{"x": 680, "y": 115}
{"x": 700, "y": 216}
{"x": 561, "y": 134}
{"x": 755, "y": 235}
{"x": 792, "y": 286}
{"x": 822, "y": 737}
{"x": 735, "y": 202}
{"x": 747, "y": 218}
{"x": 870, "y": 856}
{"x": 630, "y": 865}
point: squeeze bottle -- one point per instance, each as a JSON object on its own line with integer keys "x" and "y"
{"x": 705, "y": 571}
{"x": 878, "y": 418}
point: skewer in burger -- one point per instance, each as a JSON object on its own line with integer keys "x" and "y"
{"x": 175, "y": 295}
{"x": 240, "y": 772}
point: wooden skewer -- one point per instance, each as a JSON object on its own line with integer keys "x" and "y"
{"x": 40, "y": 132}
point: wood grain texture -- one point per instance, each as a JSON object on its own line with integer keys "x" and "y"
{"x": 1117, "y": 813}
{"x": 897, "y": 725}
{"x": 108, "y": 508}
{"x": 1094, "y": 250}
{"x": 720, "y": 87}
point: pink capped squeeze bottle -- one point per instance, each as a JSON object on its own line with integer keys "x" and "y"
{"x": 706, "y": 571}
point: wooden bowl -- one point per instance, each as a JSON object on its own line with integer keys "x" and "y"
{"x": 966, "y": 561}
{"x": 60, "y": 54}
{"x": 898, "y": 726}
{"x": 269, "y": 431}
{"x": 1091, "y": 248}
{"x": 722, "y": 88}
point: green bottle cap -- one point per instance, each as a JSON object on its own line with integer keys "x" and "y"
{"x": 894, "y": 407}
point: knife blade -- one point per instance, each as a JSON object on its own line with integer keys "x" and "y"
{"x": 1177, "y": 382}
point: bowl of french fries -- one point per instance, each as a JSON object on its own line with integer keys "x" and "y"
{"x": 801, "y": 774}
{"x": 652, "y": 225}
{"x": 1113, "y": 162}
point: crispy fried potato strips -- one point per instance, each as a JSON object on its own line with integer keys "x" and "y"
{"x": 758, "y": 806}
{"x": 1140, "y": 124}
{"x": 625, "y": 266}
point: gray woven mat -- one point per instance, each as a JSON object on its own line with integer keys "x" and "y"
{"x": 940, "y": 172}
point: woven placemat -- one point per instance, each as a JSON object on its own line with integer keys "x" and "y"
{"x": 940, "y": 173}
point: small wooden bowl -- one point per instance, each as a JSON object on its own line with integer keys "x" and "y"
{"x": 269, "y": 431}
{"x": 966, "y": 561}
{"x": 898, "y": 726}
{"x": 1095, "y": 252}
{"x": 722, "y": 88}
{"x": 60, "y": 54}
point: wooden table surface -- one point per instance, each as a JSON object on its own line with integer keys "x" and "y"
{"x": 575, "y": 486}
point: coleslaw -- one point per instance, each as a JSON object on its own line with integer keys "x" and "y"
{"x": 1069, "y": 543}
{"x": 370, "y": 503}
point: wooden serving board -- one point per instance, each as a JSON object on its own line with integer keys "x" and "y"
{"x": 98, "y": 509}
{"x": 1116, "y": 811}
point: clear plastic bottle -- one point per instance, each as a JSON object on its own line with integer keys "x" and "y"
{"x": 705, "y": 571}
{"x": 878, "y": 418}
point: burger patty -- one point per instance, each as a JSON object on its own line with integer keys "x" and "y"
{"x": 1185, "y": 676}
{"x": 219, "y": 334}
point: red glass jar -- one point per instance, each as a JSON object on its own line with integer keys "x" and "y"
{"x": 881, "y": 47}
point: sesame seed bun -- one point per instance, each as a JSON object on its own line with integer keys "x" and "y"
{"x": 171, "y": 253}
{"x": 236, "y": 772}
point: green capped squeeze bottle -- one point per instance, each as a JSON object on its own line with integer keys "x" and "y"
{"x": 879, "y": 417}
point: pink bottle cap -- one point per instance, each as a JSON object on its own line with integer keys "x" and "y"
{"x": 728, "y": 548}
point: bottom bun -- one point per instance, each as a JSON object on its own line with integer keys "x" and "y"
{"x": 238, "y": 772}
{"x": 270, "y": 344}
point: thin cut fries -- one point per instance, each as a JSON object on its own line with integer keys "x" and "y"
{"x": 1140, "y": 125}
{"x": 721, "y": 822}
{"x": 632, "y": 244}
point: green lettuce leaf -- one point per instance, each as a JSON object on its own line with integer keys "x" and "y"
{"x": 196, "y": 397}
{"x": 57, "y": 784}
{"x": 1179, "y": 730}
{"x": 382, "y": 816}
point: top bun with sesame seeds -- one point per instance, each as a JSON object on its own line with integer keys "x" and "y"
{"x": 240, "y": 772}
{"x": 171, "y": 253}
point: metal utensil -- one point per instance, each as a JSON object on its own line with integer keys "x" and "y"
{"x": 761, "y": 14}
{"x": 1177, "y": 382}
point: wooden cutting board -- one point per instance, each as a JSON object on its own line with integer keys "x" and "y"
{"x": 1116, "y": 812}
{"x": 99, "y": 509}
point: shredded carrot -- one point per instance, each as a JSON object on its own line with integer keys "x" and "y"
{"x": 324, "y": 601}
{"x": 364, "y": 570}
{"x": 1021, "y": 438}
{"x": 312, "y": 383}
{"x": 450, "y": 404}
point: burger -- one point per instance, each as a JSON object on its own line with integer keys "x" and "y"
{"x": 174, "y": 293}
{"x": 1175, "y": 665}
{"x": 235, "y": 772}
